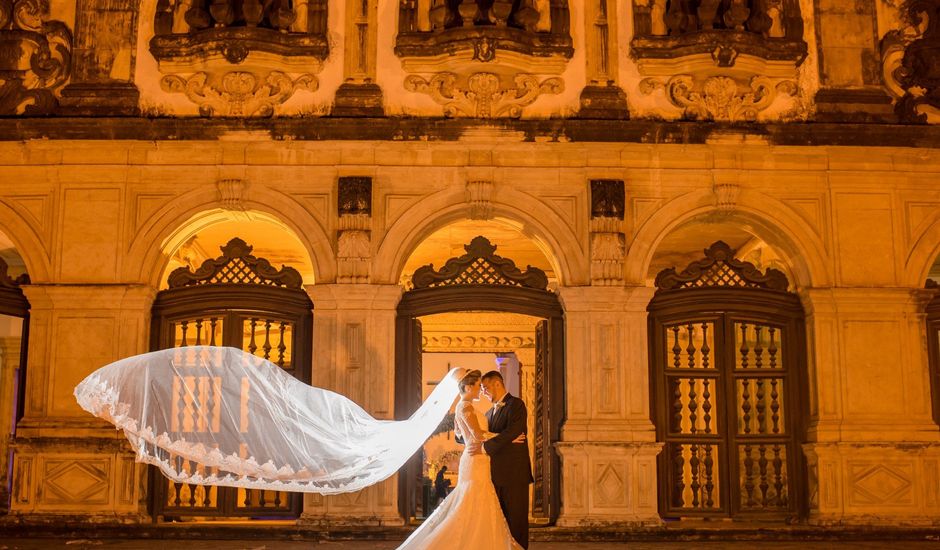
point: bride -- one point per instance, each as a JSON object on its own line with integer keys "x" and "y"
{"x": 474, "y": 499}
{"x": 211, "y": 415}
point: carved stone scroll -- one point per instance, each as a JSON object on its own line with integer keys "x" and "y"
{"x": 483, "y": 95}
{"x": 720, "y": 97}
{"x": 479, "y": 266}
{"x": 35, "y": 58}
{"x": 911, "y": 62}
{"x": 236, "y": 265}
{"x": 239, "y": 93}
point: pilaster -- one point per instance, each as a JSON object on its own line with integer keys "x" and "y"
{"x": 608, "y": 448}
{"x": 873, "y": 449}
{"x": 65, "y": 460}
{"x": 9, "y": 365}
{"x": 354, "y": 355}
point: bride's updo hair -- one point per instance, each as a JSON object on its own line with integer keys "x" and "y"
{"x": 469, "y": 379}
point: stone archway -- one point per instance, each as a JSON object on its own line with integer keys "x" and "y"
{"x": 481, "y": 280}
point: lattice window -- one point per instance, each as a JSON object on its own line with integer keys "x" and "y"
{"x": 479, "y": 266}
{"x": 236, "y": 265}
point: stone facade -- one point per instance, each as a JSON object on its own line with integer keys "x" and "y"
{"x": 822, "y": 147}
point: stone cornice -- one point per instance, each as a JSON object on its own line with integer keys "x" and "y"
{"x": 422, "y": 129}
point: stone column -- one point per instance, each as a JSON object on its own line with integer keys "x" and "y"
{"x": 359, "y": 95}
{"x": 9, "y": 363}
{"x": 354, "y": 355}
{"x": 873, "y": 448}
{"x": 103, "y": 60}
{"x": 66, "y": 461}
{"x": 608, "y": 448}
{"x": 851, "y": 86}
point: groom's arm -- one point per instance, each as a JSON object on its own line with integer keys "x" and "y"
{"x": 515, "y": 426}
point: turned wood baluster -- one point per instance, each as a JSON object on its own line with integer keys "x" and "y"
{"x": 198, "y": 332}
{"x": 709, "y": 483}
{"x": 762, "y": 465}
{"x": 212, "y": 327}
{"x": 693, "y": 402}
{"x": 774, "y": 393}
{"x": 778, "y": 476}
{"x": 706, "y": 394}
{"x": 184, "y": 325}
{"x": 749, "y": 476}
{"x": 267, "y": 340}
{"x": 281, "y": 346}
{"x": 252, "y": 344}
{"x": 678, "y": 465}
{"x": 761, "y": 396}
{"x": 694, "y": 467}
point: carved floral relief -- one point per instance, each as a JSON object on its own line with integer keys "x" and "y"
{"x": 483, "y": 94}
{"x": 238, "y": 93}
{"x": 720, "y": 98}
{"x": 911, "y": 62}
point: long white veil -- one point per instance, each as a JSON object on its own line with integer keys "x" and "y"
{"x": 221, "y": 416}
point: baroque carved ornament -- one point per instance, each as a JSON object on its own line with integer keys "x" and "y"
{"x": 35, "y": 57}
{"x": 479, "y": 266}
{"x": 719, "y": 268}
{"x": 911, "y": 62}
{"x": 236, "y": 265}
{"x": 239, "y": 93}
{"x": 720, "y": 97}
{"x": 482, "y": 94}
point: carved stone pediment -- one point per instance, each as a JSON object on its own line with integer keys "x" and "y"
{"x": 35, "y": 57}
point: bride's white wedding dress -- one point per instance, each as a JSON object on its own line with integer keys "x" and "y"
{"x": 470, "y": 516}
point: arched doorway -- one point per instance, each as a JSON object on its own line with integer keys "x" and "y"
{"x": 14, "y": 336}
{"x": 727, "y": 363}
{"x": 480, "y": 280}
{"x": 242, "y": 301}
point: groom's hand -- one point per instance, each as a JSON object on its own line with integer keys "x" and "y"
{"x": 520, "y": 439}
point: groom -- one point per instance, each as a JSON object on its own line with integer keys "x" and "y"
{"x": 509, "y": 455}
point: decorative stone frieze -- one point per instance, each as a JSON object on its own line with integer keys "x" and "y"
{"x": 479, "y": 195}
{"x": 239, "y": 93}
{"x": 35, "y": 57}
{"x": 720, "y": 97}
{"x": 910, "y": 60}
{"x": 483, "y": 94}
{"x": 607, "y": 238}
{"x": 353, "y": 240}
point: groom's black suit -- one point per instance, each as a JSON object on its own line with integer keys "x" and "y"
{"x": 509, "y": 464}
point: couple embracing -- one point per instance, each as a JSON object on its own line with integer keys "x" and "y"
{"x": 489, "y": 508}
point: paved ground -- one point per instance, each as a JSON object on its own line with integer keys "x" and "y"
{"x": 86, "y": 544}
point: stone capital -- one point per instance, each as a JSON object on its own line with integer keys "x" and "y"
{"x": 343, "y": 296}
{"x": 59, "y": 296}
{"x": 627, "y": 299}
